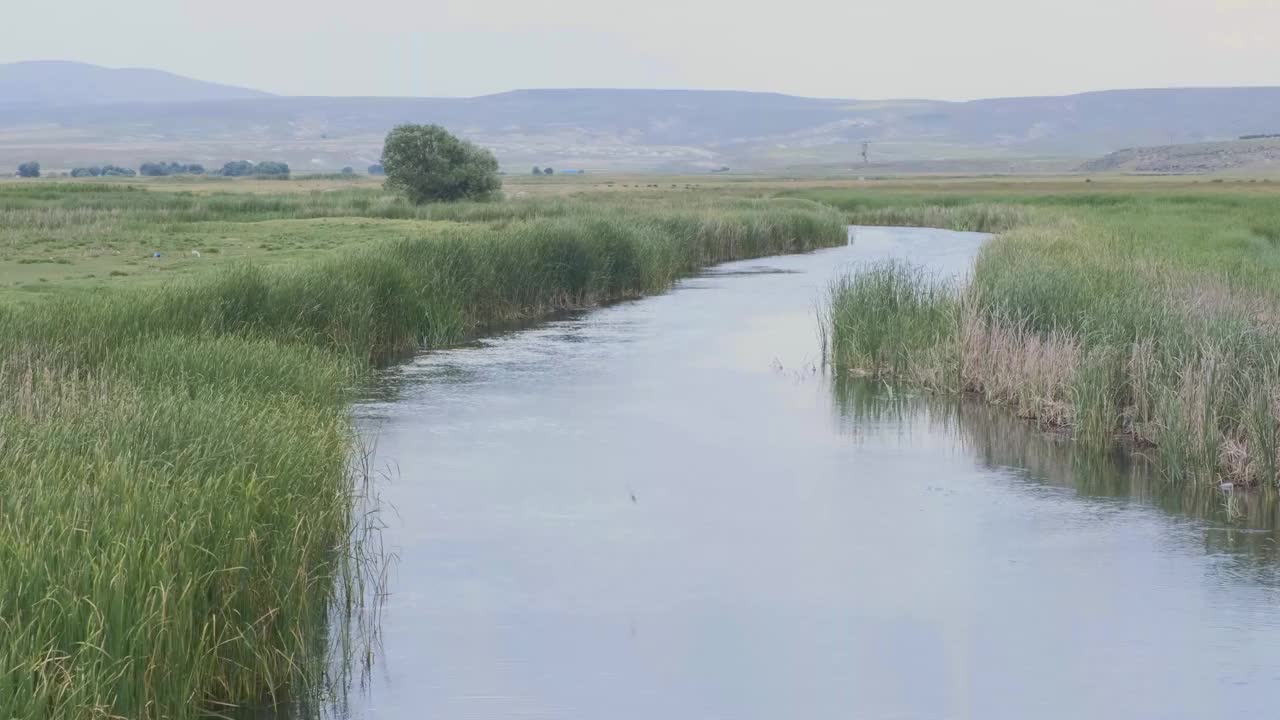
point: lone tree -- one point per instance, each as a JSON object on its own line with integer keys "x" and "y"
{"x": 537, "y": 170}
{"x": 29, "y": 169}
{"x": 427, "y": 163}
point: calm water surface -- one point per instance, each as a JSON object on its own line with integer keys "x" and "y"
{"x": 664, "y": 510}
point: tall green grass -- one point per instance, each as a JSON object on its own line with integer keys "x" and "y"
{"x": 177, "y": 462}
{"x": 886, "y": 314}
{"x": 1142, "y": 318}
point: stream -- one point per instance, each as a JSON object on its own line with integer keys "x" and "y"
{"x": 666, "y": 509}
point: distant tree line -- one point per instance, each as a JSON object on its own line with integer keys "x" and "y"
{"x": 266, "y": 168}
{"x": 235, "y": 168}
{"x": 425, "y": 162}
{"x": 552, "y": 171}
{"x": 158, "y": 169}
{"x": 1260, "y": 136}
{"x": 104, "y": 171}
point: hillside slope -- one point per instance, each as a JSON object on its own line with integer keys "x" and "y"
{"x": 61, "y": 83}
{"x": 121, "y": 120}
{"x": 1262, "y": 154}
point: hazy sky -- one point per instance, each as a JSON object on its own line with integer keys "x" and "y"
{"x": 947, "y": 49}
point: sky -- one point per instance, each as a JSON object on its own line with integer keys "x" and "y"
{"x": 939, "y": 49}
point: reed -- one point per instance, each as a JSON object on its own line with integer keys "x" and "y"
{"x": 1143, "y": 318}
{"x": 179, "y": 468}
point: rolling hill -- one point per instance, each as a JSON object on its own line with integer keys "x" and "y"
{"x": 61, "y": 83}
{"x": 130, "y": 116}
{"x": 1258, "y": 155}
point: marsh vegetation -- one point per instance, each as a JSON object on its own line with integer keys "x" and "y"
{"x": 1146, "y": 318}
{"x": 177, "y": 444}
{"x": 176, "y": 452}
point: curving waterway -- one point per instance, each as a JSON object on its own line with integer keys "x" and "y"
{"x": 665, "y": 509}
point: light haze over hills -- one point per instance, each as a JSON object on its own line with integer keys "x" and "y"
{"x": 65, "y": 114}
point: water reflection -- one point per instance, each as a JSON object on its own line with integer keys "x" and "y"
{"x": 1243, "y": 525}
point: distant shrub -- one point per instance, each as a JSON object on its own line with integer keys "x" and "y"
{"x": 348, "y": 170}
{"x": 237, "y": 168}
{"x": 271, "y": 168}
{"x": 117, "y": 171}
{"x": 427, "y": 163}
{"x": 29, "y": 170}
{"x": 377, "y": 169}
{"x": 537, "y": 170}
{"x": 86, "y": 172}
{"x": 548, "y": 171}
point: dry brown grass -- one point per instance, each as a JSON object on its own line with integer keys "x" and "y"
{"x": 1007, "y": 362}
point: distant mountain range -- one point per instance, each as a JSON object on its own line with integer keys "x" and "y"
{"x": 65, "y": 114}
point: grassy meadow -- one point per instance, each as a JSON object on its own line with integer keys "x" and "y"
{"x": 181, "y": 470}
{"x": 179, "y": 466}
{"x": 1146, "y": 315}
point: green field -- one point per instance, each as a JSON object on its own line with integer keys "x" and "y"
{"x": 180, "y": 470}
{"x": 58, "y": 236}
{"x": 179, "y": 463}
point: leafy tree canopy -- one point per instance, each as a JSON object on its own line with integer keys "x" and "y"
{"x": 427, "y": 162}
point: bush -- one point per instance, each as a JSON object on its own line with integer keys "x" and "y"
{"x": 427, "y": 163}
{"x": 160, "y": 169}
{"x": 548, "y": 171}
{"x": 348, "y": 170}
{"x": 272, "y": 169}
{"x": 29, "y": 170}
{"x": 377, "y": 169}
{"x": 86, "y": 172}
{"x": 117, "y": 171}
{"x": 537, "y": 170}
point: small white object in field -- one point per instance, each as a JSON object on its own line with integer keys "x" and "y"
{"x": 195, "y": 253}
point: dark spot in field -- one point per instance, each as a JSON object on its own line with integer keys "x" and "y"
{"x": 1269, "y": 233}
